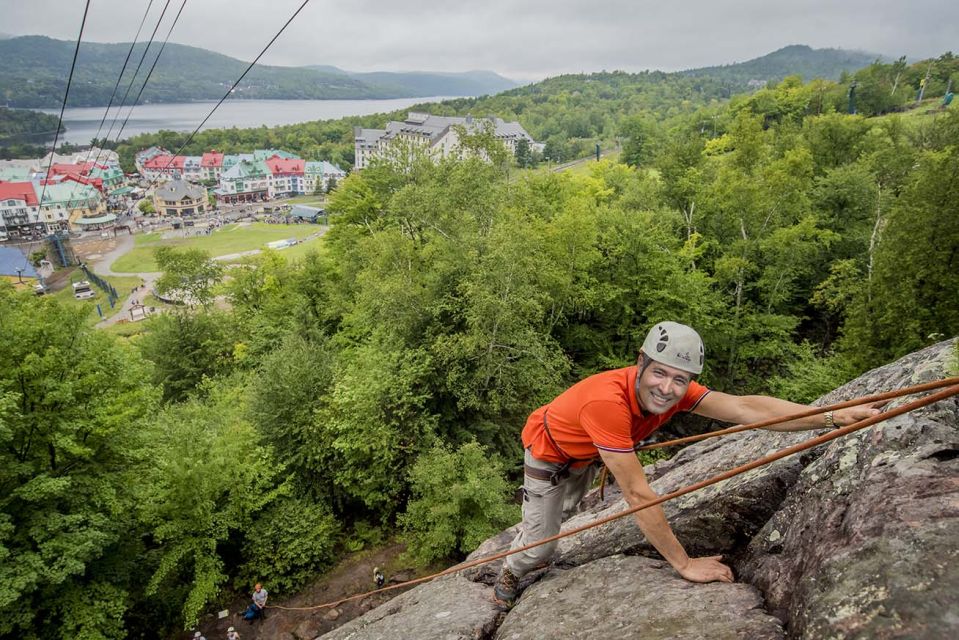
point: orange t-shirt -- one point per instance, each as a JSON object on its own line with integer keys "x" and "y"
{"x": 600, "y": 412}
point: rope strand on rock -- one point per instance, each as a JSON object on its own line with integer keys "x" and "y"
{"x": 726, "y": 475}
{"x": 878, "y": 397}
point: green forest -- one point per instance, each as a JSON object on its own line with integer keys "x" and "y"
{"x": 377, "y": 388}
{"x": 22, "y": 132}
{"x": 35, "y": 70}
{"x": 571, "y": 114}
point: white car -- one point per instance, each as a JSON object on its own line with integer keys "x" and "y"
{"x": 82, "y": 290}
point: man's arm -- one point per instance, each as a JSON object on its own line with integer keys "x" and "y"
{"x": 747, "y": 409}
{"x": 652, "y": 521}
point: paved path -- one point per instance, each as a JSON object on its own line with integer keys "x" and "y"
{"x": 124, "y": 244}
{"x": 102, "y": 267}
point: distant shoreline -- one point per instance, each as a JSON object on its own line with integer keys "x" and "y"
{"x": 82, "y": 122}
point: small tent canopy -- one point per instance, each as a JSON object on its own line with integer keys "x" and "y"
{"x": 107, "y": 219}
{"x": 304, "y": 212}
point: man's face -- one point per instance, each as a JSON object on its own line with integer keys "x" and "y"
{"x": 661, "y": 387}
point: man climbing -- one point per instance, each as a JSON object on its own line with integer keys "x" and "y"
{"x": 257, "y": 608}
{"x": 604, "y": 418}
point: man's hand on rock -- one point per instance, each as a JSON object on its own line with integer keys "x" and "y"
{"x": 708, "y": 569}
{"x": 850, "y": 415}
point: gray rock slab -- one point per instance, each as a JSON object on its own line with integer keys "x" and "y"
{"x": 634, "y": 597}
{"x": 866, "y": 544}
{"x": 449, "y": 608}
{"x": 715, "y": 519}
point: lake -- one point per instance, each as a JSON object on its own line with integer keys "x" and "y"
{"x": 82, "y": 123}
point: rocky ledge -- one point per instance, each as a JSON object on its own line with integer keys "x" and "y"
{"x": 858, "y": 538}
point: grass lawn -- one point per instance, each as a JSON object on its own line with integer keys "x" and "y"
{"x": 123, "y": 284}
{"x": 313, "y": 201}
{"x": 127, "y": 329}
{"x": 230, "y": 239}
{"x": 291, "y": 254}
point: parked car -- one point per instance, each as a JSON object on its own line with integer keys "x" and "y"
{"x": 82, "y": 290}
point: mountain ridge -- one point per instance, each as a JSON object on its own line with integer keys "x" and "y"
{"x": 35, "y": 71}
{"x": 34, "y": 76}
{"x": 794, "y": 59}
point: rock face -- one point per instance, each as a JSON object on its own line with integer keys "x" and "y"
{"x": 854, "y": 539}
{"x": 452, "y": 608}
{"x": 633, "y": 597}
{"x": 866, "y": 544}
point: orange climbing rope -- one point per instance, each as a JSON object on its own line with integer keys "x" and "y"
{"x": 878, "y": 397}
{"x": 952, "y": 388}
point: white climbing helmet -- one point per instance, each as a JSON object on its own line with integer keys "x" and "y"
{"x": 675, "y": 345}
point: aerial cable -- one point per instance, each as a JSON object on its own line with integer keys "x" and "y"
{"x": 229, "y": 91}
{"x": 66, "y": 94}
{"x": 133, "y": 78}
{"x": 120, "y": 77}
{"x": 152, "y": 67}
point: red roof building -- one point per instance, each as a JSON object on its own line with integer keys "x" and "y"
{"x": 211, "y": 160}
{"x": 286, "y": 167}
{"x": 19, "y": 191}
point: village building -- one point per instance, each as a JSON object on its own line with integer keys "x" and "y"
{"x": 180, "y": 198}
{"x": 163, "y": 166}
{"x": 141, "y": 157}
{"x": 193, "y": 168}
{"x": 20, "y": 170}
{"x": 244, "y": 181}
{"x": 212, "y": 165}
{"x": 93, "y": 154}
{"x": 438, "y": 135}
{"x": 104, "y": 178}
{"x": 69, "y": 205}
{"x": 65, "y": 205}
{"x": 286, "y": 176}
{"x": 321, "y": 176}
{"x": 19, "y": 211}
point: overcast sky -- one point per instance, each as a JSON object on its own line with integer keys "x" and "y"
{"x": 521, "y": 39}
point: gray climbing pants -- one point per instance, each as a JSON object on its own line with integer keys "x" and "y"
{"x": 545, "y": 506}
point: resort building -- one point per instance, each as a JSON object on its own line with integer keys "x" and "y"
{"x": 193, "y": 168}
{"x": 245, "y": 181}
{"x": 163, "y": 166}
{"x": 65, "y": 205}
{"x": 69, "y": 205}
{"x": 141, "y": 157}
{"x": 438, "y": 135}
{"x": 19, "y": 211}
{"x": 212, "y": 165}
{"x": 286, "y": 176}
{"x": 180, "y": 198}
{"x": 320, "y": 176}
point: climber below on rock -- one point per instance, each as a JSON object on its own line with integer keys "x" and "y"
{"x": 604, "y": 418}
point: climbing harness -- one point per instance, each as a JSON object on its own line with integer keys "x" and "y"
{"x": 949, "y": 387}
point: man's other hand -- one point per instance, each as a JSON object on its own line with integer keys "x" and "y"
{"x": 708, "y": 569}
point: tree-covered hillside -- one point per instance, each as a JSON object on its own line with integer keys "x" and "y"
{"x": 23, "y": 126}
{"x": 35, "y": 70}
{"x": 797, "y": 59}
{"x": 573, "y": 113}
